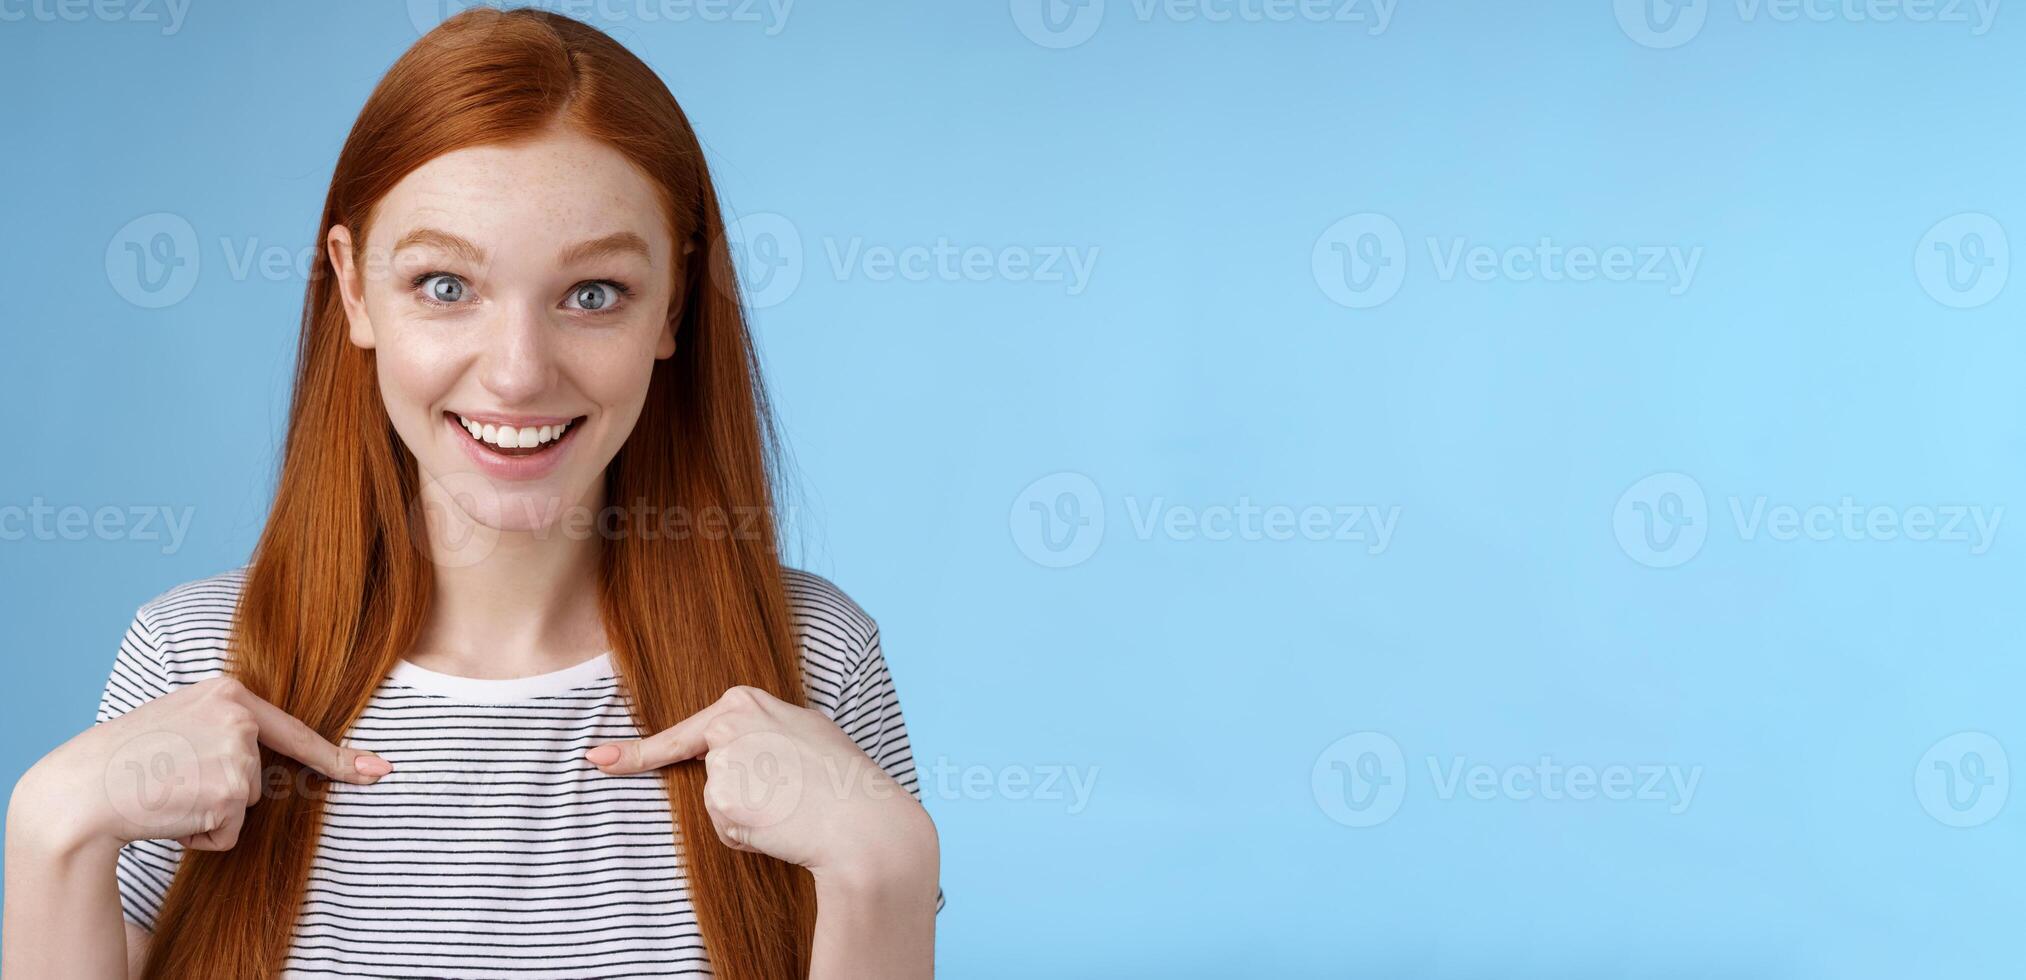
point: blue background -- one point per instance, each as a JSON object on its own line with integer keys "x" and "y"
{"x": 1207, "y": 683}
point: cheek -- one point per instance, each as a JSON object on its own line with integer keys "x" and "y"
{"x": 419, "y": 374}
{"x": 610, "y": 363}
{"x": 415, "y": 372}
{"x": 612, "y": 373}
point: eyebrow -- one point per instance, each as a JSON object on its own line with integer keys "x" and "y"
{"x": 617, "y": 243}
{"x": 431, "y": 238}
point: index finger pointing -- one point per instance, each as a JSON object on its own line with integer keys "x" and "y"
{"x": 682, "y": 740}
{"x": 287, "y": 735}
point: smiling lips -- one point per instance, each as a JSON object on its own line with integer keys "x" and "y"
{"x": 515, "y": 448}
{"x": 515, "y": 440}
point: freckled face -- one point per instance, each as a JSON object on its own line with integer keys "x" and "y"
{"x": 516, "y": 298}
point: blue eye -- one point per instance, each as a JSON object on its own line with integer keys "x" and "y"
{"x": 595, "y": 296}
{"x": 442, "y": 287}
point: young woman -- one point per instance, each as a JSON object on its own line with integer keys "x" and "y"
{"x": 515, "y": 684}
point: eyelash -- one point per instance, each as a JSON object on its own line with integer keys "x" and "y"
{"x": 625, "y": 292}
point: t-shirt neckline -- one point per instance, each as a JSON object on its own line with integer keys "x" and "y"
{"x": 486, "y": 690}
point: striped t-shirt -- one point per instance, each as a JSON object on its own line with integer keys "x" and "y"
{"x": 494, "y": 849}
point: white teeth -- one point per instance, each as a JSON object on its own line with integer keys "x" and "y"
{"x": 509, "y": 437}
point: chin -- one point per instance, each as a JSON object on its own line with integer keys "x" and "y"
{"x": 471, "y": 498}
{"x": 522, "y": 511}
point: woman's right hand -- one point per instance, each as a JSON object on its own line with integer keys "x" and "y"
{"x": 185, "y": 766}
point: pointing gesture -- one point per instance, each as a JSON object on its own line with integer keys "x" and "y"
{"x": 185, "y": 766}
{"x": 785, "y": 781}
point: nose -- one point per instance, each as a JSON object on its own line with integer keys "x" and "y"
{"x": 517, "y": 364}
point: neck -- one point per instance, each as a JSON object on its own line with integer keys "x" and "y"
{"x": 510, "y": 603}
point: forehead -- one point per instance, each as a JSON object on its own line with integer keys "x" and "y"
{"x": 553, "y": 189}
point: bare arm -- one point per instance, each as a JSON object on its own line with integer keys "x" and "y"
{"x": 867, "y": 841}
{"x": 882, "y": 926}
{"x": 67, "y": 820}
{"x": 137, "y": 950}
{"x": 45, "y": 957}
{"x": 62, "y": 901}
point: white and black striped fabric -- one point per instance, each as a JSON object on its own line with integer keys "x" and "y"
{"x": 494, "y": 850}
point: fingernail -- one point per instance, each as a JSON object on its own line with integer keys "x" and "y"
{"x": 372, "y": 765}
{"x": 603, "y": 755}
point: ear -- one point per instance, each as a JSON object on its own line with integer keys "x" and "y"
{"x": 664, "y": 345}
{"x": 351, "y": 286}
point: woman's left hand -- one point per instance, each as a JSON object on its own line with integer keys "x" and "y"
{"x": 785, "y": 781}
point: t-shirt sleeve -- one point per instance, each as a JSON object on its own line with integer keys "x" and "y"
{"x": 140, "y": 674}
{"x": 868, "y": 710}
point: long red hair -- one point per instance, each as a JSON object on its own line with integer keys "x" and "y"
{"x": 337, "y": 587}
